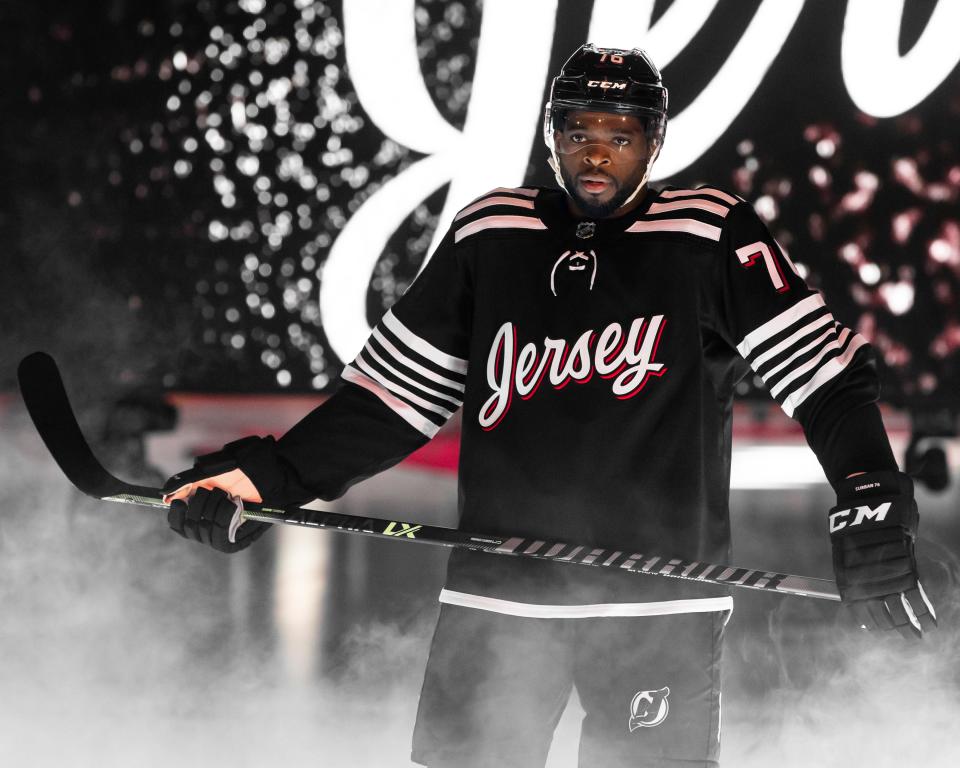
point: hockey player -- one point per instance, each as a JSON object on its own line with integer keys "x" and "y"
{"x": 593, "y": 336}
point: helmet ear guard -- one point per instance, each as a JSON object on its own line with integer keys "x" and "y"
{"x": 613, "y": 81}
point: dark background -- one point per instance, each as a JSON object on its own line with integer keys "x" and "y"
{"x": 137, "y": 249}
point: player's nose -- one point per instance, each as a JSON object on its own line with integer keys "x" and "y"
{"x": 595, "y": 156}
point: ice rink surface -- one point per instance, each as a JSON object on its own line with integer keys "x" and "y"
{"x": 123, "y": 645}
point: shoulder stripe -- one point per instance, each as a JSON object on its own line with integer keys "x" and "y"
{"x": 523, "y": 191}
{"x": 780, "y": 322}
{"x": 693, "y": 202}
{"x": 409, "y": 414}
{"x": 712, "y": 191}
{"x": 689, "y": 226}
{"x": 498, "y": 222}
{"x": 422, "y": 346}
{"x": 495, "y": 200}
{"x": 828, "y": 371}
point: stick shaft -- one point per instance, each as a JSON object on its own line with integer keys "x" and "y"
{"x": 564, "y": 552}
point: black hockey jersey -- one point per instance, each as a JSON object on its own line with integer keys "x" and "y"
{"x": 595, "y": 362}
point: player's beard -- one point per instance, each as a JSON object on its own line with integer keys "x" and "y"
{"x": 590, "y": 206}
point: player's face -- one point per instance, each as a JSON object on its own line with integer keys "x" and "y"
{"x": 602, "y": 157}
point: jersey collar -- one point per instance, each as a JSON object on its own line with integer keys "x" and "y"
{"x": 551, "y": 207}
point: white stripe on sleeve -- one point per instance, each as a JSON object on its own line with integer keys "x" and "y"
{"x": 785, "y": 319}
{"x": 409, "y": 414}
{"x": 423, "y": 347}
{"x": 823, "y": 339}
{"x": 827, "y": 372}
{"x": 372, "y": 353}
{"x": 814, "y": 362}
{"x": 413, "y": 364}
{"x": 398, "y": 390}
{"x": 791, "y": 340}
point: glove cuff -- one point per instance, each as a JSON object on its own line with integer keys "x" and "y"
{"x": 873, "y": 501}
{"x": 871, "y": 484}
{"x": 258, "y": 459}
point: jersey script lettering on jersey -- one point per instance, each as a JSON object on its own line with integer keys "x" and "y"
{"x": 627, "y": 358}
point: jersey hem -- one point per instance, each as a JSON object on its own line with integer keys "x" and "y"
{"x": 595, "y": 610}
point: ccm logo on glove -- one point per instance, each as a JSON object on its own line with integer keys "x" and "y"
{"x": 837, "y": 521}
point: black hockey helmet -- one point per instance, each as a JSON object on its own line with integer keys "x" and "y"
{"x": 611, "y": 80}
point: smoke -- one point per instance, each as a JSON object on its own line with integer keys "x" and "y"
{"x": 122, "y": 645}
{"x": 806, "y": 687}
{"x": 862, "y": 701}
{"x": 882, "y": 706}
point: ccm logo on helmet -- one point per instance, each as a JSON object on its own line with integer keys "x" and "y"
{"x": 837, "y": 521}
{"x": 606, "y": 84}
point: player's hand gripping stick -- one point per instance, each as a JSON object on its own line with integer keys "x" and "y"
{"x": 206, "y": 502}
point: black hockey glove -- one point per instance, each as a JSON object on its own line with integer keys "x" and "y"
{"x": 873, "y": 531}
{"x": 206, "y": 501}
{"x": 213, "y": 518}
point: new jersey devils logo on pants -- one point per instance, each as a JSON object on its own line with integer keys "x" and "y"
{"x": 649, "y": 708}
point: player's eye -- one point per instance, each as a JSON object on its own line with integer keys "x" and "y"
{"x": 577, "y": 138}
{"x": 621, "y": 141}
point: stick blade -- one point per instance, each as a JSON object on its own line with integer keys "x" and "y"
{"x": 41, "y": 387}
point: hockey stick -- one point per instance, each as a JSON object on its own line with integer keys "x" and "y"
{"x": 49, "y": 407}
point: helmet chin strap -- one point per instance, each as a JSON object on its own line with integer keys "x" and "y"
{"x": 555, "y": 165}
